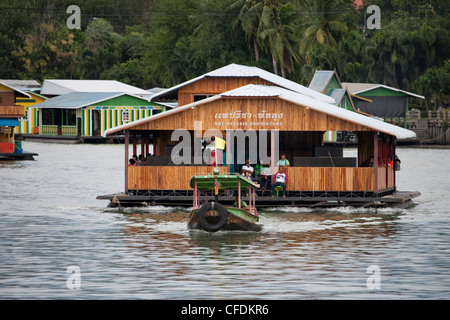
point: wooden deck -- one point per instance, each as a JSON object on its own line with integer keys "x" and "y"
{"x": 308, "y": 199}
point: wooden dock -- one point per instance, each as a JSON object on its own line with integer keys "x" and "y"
{"x": 399, "y": 199}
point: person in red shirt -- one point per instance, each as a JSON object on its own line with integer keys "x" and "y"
{"x": 279, "y": 180}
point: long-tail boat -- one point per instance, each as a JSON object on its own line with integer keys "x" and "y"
{"x": 213, "y": 216}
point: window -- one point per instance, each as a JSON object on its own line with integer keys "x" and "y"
{"x": 198, "y": 97}
{"x": 25, "y": 117}
{"x": 126, "y": 116}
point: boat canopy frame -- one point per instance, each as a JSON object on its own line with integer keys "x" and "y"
{"x": 228, "y": 181}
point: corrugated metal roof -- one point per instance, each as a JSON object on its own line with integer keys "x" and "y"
{"x": 76, "y": 100}
{"x": 24, "y": 94}
{"x": 24, "y": 85}
{"x": 59, "y": 87}
{"x": 294, "y": 97}
{"x": 236, "y": 70}
{"x": 320, "y": 80}
{"x": 253, "y": 91}
{"x": 337, "y": 95}
{"x": 356, "y": 88}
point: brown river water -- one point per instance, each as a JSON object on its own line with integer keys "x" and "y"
{"x": 58, "y": 242}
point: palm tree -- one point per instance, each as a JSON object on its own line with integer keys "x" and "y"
{"x": 99, "y": 34}
{"x": 323, "y": 23}
{"x": 278, "y": 34}
{"x": 249, "y": 19}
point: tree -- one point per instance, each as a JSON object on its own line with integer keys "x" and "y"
{"x": 249, "y": 18}
{"x": 99, "y": 35}
{"x": 48, "y": 52}
{"x": 434, "y": 85}
{"x": 278, "y": 34}
{"x": 323, "y": 24}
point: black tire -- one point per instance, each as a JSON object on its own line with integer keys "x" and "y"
{"x": 202, "y": 218}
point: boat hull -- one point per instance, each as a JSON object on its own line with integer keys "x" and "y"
{"x": 238, "y": 219}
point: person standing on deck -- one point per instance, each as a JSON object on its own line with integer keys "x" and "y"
{"x": 279, "y": 180}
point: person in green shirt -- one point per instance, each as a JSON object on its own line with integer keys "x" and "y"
{"x": 258, "y": 170}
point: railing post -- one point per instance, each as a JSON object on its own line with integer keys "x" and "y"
{"x": 195, "y": 195}
{"x": 239, "y": 194}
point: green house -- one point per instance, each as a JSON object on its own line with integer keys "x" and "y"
{"x": 384, "y": 101}
{"x": 90, "y": 114}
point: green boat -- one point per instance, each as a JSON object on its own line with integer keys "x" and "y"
{"x": 212, "y": 216}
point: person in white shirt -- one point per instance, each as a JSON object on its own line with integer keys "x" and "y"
{"x": 279, "y": 180}
{"x": 266, "y": 176}
{"x": 247, "y": 168}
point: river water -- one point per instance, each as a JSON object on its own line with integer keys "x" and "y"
{"x": 58, "y": 242}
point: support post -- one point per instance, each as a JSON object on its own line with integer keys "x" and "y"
{"x": 195, "y": 195}
{"x": 254, "y": 200}
{"x": 393, "y": 171}
{"x": 250, "y": 198}
{"x": 375, "y": 160}
{"x": 126, "y": 159}
{"x": 134, "y": 146}
{"x": 228, "y": 150}
{"x": 239, "y": 194}
{"x": 274, "y": 149}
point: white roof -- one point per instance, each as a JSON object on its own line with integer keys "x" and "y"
{"x": 6, "y": 84}
{"x": 356, "y": 88}
{"x": 23, "y": 85}
{"x": 241, "y": 71}
{"x": 294, "y": 97}
{"x": 59, "y": 87}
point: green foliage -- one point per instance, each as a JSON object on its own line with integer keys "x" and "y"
{"x": 165, "y": 42}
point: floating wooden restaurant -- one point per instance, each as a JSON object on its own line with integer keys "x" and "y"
{"x": 10, "y": 113}
{"x": 318, "y": 175}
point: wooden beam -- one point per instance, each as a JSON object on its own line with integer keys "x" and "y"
{"x": 375, "y": 160}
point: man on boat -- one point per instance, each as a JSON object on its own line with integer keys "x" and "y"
{"x": 280, "y": 179}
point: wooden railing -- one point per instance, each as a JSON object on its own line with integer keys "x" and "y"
{"x": 299, "y": 178}
{"x": 49, "y": 129}
{"x": 69, "y": 130}
{"x": 55, "y": 130}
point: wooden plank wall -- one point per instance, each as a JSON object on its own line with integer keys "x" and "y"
{"x": 330, "y": 179}
{"x": 300, "y": 178}
{"x": 213, "y": 86}
{"x": 7, "y": 98}
{"x": 164, "y": 178}
{"x": 289, "y": 117}
{"x": 382, "y": 183}
{"x": 12, "y": 111}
